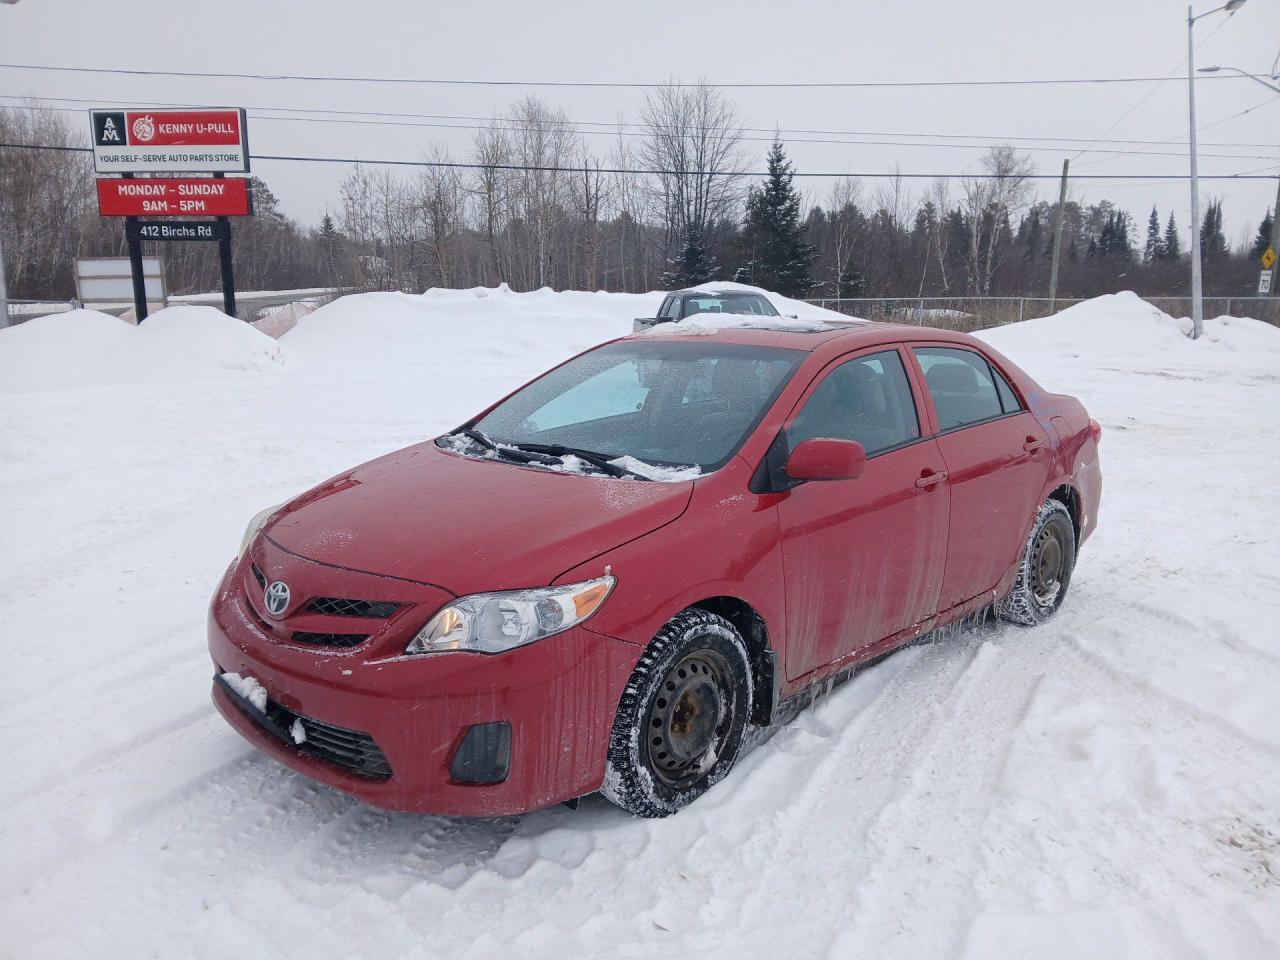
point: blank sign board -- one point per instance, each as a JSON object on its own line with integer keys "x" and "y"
{"x": 108, "y": 280}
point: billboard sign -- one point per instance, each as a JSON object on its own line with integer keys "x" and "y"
{"x": 170, "y": 141}
{"x": 109, "y": 280}
{"x": 174, "y": 197}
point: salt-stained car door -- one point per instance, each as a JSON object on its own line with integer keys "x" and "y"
{"x": 997, "y": 458}
{"x": 863, "y": 558}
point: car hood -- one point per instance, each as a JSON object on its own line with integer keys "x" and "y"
{"x": 470, "y": 525}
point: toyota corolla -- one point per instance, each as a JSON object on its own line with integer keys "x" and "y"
{"x": 602, "y": 581}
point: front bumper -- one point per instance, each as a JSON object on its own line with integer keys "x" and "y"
{"x": 559, "y": 695}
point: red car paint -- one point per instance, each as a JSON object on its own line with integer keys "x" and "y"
{"x": 837, "y": 572}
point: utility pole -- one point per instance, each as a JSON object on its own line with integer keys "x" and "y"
{"x": 1197, "y": 290}
{"x": 1057, "y": 235}
{"x": 4, "y": 292}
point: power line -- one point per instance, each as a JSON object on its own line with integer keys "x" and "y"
{"x": 613, "y": 124}
{"x": 528, "y": 168}
{"x": 1109, "y": 153}
{"x": 612, "y": 84}
{"x": 945, "y": 144}
{"x": 1143, "y": 99}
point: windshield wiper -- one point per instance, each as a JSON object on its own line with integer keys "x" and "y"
{"x": 597, "y": 460}
{"x": 478, "y": 437}
{"x": 508, "y": 451}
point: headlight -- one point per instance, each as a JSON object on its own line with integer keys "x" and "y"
{"x": 259, "y": 520}
{"x": 495, "y": 622}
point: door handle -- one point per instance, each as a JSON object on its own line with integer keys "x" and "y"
{"x": 929, "y": 479}
{"x": 1033, "y": 443}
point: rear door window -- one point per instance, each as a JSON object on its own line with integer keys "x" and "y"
{"x": 867, "y": 399}
{"x": 962, "y": 386}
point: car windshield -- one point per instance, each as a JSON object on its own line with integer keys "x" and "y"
{"x": 644, "y": 404}
{"x": 748, "y": 303}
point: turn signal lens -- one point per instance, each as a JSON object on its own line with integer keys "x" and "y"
{"x": 1095, "y": 428}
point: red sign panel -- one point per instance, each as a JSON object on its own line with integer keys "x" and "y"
{"x": 181, "y": 197}
{"x": 170, "y": 128}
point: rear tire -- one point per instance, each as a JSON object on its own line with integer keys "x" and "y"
{"x": 1044, "y": 572}
{"x": 682, "y": 717}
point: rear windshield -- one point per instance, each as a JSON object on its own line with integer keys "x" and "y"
{"x": 748, "y": 303}
{"x": 677, "y": 404}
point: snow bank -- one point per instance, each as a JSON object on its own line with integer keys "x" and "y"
{"x": 1105, "y": 785}
{"x": 84, "y": 348}
{"x": 1128, "y": 330}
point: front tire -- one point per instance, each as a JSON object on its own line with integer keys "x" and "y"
{"x": 682, "y": 717}
{"x": 1044, "y": 572}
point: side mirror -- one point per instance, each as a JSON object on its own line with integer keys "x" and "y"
{"x": 825, "y": 458}
{"x": 792, "y": 316}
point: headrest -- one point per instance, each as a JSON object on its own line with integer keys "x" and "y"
{"x": 952, "y": 378}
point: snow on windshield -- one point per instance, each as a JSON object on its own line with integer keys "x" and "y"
{"x": 470, "y": 447}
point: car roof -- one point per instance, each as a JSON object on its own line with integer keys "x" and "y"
{"x": 835, "y": 337}
{"x": 702, "y": 292}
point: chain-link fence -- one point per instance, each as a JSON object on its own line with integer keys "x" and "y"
{"x": 967, "y": 314}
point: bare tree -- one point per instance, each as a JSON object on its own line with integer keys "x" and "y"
{"x": 491, "y": 149}
{"x": 989, "y": 203}
{"x": 693, "y": 151}
{"x": 542, "y": 144}
{"x": 441, "y": 200}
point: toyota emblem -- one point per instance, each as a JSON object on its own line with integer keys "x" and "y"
{"x": 276, "y": 598}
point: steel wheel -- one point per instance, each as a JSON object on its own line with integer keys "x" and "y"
{"x": 689, "y": 719}
{"x": 1047, "y": 556}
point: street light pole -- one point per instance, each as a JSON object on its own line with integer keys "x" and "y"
{"x": 1197, "y": 292}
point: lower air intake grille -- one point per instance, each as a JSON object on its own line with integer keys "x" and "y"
{"x": 350, "y": 749}
{"x": 347, "y": 748}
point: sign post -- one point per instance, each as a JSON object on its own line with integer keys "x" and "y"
{"x": 216, "y": 141}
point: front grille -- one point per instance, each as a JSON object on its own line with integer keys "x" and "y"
{"x": 329, "y": 639}
{"x": 350, "y": 749}
{"x": 338, "y": 607}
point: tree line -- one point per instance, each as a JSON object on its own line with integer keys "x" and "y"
{"x": 535, "y": 206}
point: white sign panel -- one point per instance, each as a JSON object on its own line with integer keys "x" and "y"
{"x": 1264, "y": 282}
{"x": 170, "y": 141}
{"x": 109, "y": 280}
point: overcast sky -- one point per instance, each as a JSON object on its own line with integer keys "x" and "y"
{"x": 742, "y": 41}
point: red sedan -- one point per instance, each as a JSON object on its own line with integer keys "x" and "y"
{"x": 601, "y": 581}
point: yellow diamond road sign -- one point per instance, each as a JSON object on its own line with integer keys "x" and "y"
{"x": 1269, "y": 258}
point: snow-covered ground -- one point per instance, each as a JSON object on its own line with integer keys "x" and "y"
{"x": 1107, "y": 786}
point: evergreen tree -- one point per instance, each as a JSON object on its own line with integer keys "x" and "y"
{"x": 1154, "y": 249}
{"x": 692, "y": 265}
{"x": 1263, "y": 239}
{"x": 331, "y": 241}
{"x": 851, "y": 282}
{"x": 1172, "y": 245}
{"x": 1213, "y": 242}
{"x": 781, "y": 256}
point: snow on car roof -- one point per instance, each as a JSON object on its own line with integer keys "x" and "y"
{"x": 705, "y": 324}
